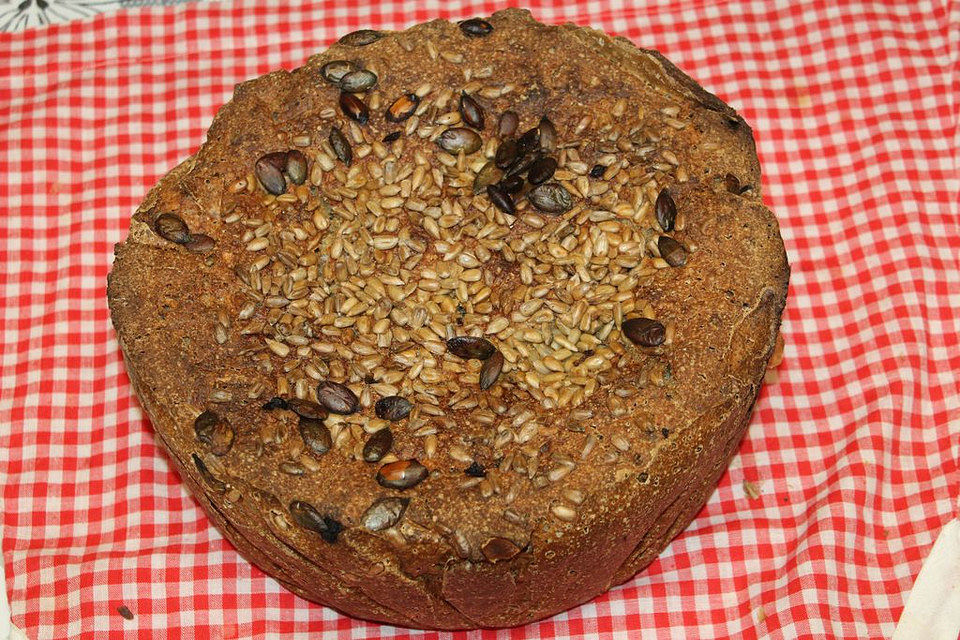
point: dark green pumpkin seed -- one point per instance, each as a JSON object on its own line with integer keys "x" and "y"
{"x": 214, "y": 432}
{"x": 665, "y": 210}
{"x": 334, "y": 70}
{"x": 475, "y": 470}
{"x": 488, "y": 174}
{"x": 501, "y": 199}
{"x": 402, "y": 474}
{"x": 393, "y": 408}
{"x": 200, "y": 243}
{"x": 644, "y": 332}
{"x": 403, "y": 107}
{"x": 507, "y": 153}
{"x": 542, "y": 170}
{"x": 512, "y": 184}
{"x": 529, "y": 140}
{"x": 547, "y": 135}
{"x": 307, "y": 516}
{"x": 341, "y": 146}
{"x": 491, "y": 369}
{"x": 306, "y": 409}
{"x": 171, "y": 228}
{"x": 337, "y": 398}
{"x": 470, "y": 347}
{"x": 358, "y": 81}
{"x": 470, "y": 111}
{"x": 315, "y": 435}
{"x": 360, "y": 38}
{"x": 507, "y": 126}
{"x": 354, "y": 108}
{"x": 523, "y": 163}
{"x": 384, "y": 513}
{"x": 378, "y": 445}
{"x": 672, "y": 251}
{"x": 551, "y": 198}
{"x": 275, "y": 402}
{"x": 208, "y": 477}
{"x": 296, "y": 166}
{"x": 459, "y": 139}
{"x": 269, "y": 172}
{"x": 476, "y": 28}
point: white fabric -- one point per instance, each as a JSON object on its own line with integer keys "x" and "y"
{"x": 933, "y": 607}
{"x": 7, "y": 630}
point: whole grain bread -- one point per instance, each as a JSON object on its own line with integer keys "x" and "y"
{"x": 600, "y": 438}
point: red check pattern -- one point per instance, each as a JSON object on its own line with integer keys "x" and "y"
{"x": 854, "y": 444}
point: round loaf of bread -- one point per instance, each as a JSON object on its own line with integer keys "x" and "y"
{"x": 457, "y": 326}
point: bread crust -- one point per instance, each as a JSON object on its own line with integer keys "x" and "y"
{"x": 431, "y": 571}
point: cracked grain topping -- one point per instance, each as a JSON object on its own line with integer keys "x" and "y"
{"x": 389, "y": 275}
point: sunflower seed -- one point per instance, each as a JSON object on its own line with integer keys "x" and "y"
{"x": 315, "y": 435}
{"x": 459, "y": 139}
{"x": 214, "y": 432}
{"x": 470, "y": 347}
{"x": 551, "y": 198}
{"x": 392, "y": 136}
{"x": 476, "y": 28}
{"x": 471, "y": 111}
{"x": 378, "y": 445}
{"x": 644, "y": 332}
{"x": 563, "y": 512}
{"x": 360, "y": 38}
{"x": 307, "y": 516}
{"x": 384, "y": 513}
{"x": 401, "y": 474}
{"x": 354, "y": 108}
{"x": 666, "y": 210}
{"x": 172, "y": 228}
{"x": 338, "y": 398}
{"x": 358, "y": 81}
{"x": 291, "y": 468}
{"x": 671, "y": 251}
{"x": 491, "y": 369}
{"x": 393, "y": 408}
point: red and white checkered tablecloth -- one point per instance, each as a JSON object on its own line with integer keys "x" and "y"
{"x": 854, "y": 445}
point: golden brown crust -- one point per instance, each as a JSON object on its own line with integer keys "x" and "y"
{"x": 666, "y": 420}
